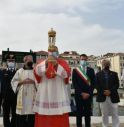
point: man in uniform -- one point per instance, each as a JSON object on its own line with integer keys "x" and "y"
{"x": 8, "y": 97}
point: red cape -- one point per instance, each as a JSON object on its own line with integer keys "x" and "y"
{"x": 63, "y": 63}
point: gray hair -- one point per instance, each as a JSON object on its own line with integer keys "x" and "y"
{"x": 106, "y": 62}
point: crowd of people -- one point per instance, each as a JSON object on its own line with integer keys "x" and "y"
{"x": 37, "y": 96}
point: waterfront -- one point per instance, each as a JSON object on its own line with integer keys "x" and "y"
{"x": 96, "y": 107}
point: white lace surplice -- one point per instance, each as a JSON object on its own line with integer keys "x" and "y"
{"x": 52, "y": 96}
{"x": 28, "y": 91}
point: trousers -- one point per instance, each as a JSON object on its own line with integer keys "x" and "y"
{"x": 107, "y": 108}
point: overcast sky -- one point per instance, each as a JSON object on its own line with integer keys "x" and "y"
{"x": 86, "y": 26}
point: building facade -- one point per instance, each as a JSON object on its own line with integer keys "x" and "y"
{"x": 117, "y": 62}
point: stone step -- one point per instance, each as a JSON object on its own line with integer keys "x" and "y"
{"x": 96, "y": 121}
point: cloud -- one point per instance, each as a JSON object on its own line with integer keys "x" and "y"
{"x": 55, "y": 6}
{"x": 24, "y": 26}
{"x": 68, "y": 7}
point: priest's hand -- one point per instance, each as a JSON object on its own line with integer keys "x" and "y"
{"x": 52, "y": 60}
{"x": 29, "y": 81}
{"x": 107, "y": 92}
{"x": 50, "y": 71}
{"x": 85, "y": 95}
{"x": 26, "y": 81}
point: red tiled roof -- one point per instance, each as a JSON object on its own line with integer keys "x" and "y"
{"x": 41, "y": 52}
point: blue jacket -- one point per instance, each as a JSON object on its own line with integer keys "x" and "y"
{"x": 5, "y": 79}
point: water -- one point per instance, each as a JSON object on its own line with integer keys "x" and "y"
{"x": 97, "y": 112}
{"x": 96, "y": 107}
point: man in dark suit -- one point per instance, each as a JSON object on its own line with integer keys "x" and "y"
{"x": 107, "y": 84}
{"x": 83, "y": 79}
{"x": 8, "y": 97}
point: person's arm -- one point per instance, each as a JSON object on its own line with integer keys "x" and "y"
{"x": 4, "y": 82}
{"x": 93, "y": 82}
{"x": 16, "y": 81}
{"x": 66, "y": 67}
{"x": 75, "y": 83}
{"x": 115, "y": 86}
{"x": 122, "y": 76}
{"x": 61, "y": 72}
{"x": 0, "y": 91}
{"x": 98, "y": 86}
{"x": 39, "y": 69}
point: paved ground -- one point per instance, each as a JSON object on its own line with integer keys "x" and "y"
{"x": 94, "y": 125}
{"x": 95, "y": 120}
{"x": 98, "y": 125}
